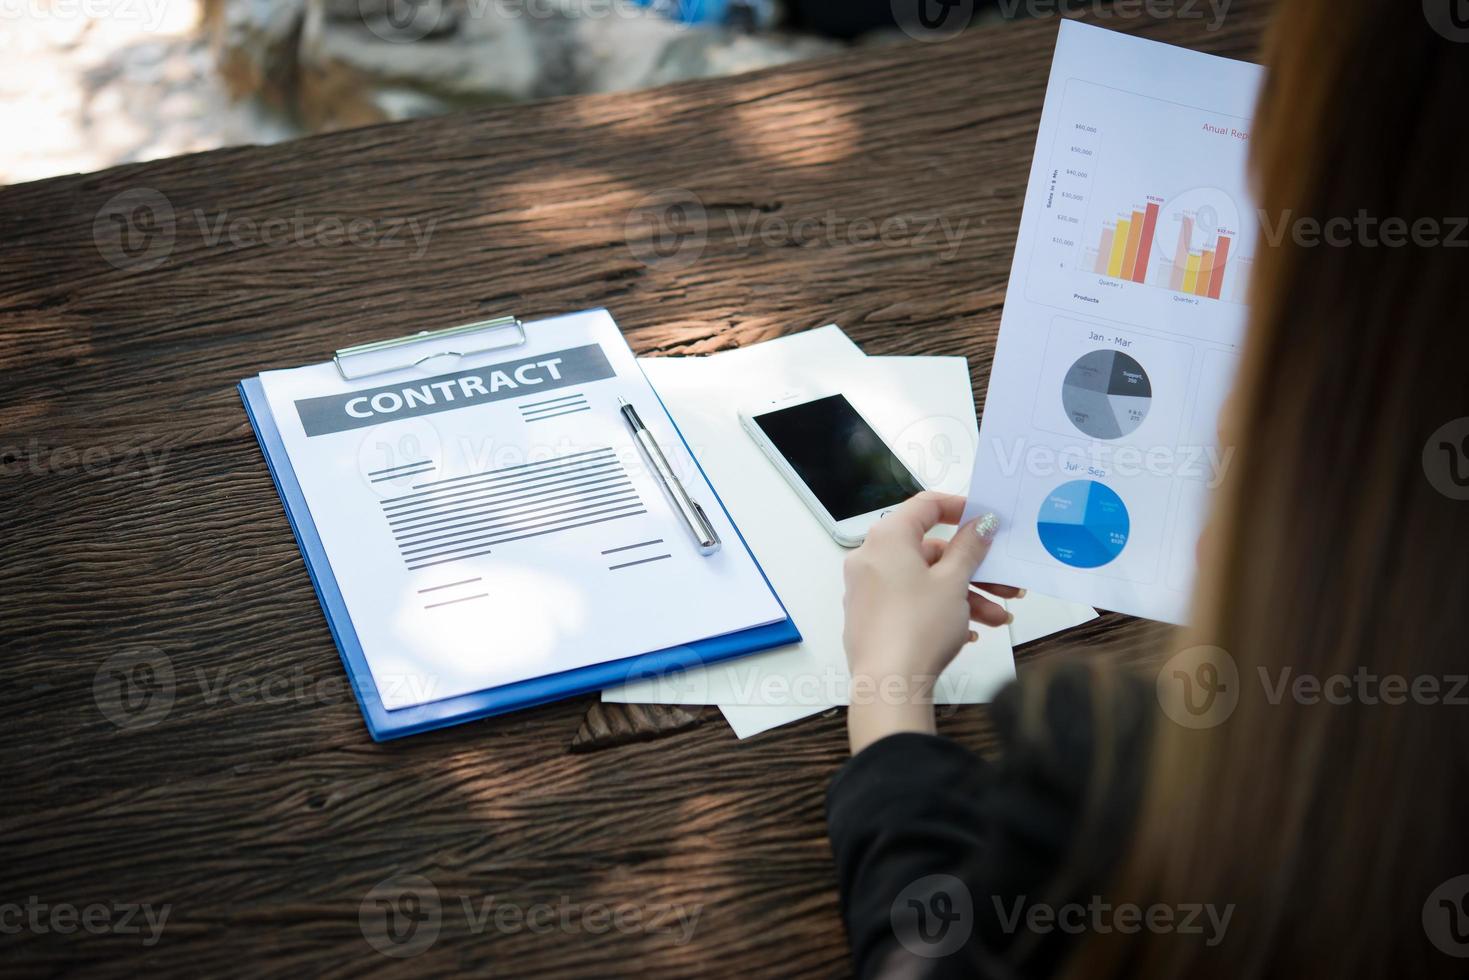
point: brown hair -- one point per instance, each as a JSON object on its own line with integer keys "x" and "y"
{"x": 1332, "y": 550}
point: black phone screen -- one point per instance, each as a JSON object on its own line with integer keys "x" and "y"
{"x": 838, "y": 456}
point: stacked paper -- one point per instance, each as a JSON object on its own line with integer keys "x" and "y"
{"x": 924, "y": 409}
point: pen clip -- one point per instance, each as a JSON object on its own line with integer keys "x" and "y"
{"x": 706, "y": 531}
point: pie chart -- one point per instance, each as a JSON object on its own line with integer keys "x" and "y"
{"x": 1083, "y": 524}
{"x": 1106, "y": 394}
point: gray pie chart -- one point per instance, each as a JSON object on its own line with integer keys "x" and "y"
{"x": 1106, "y": 394}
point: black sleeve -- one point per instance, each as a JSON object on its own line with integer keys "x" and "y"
{"x": 939, "y": 853}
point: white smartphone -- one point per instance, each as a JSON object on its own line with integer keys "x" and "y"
{"x": 833, "y": 459}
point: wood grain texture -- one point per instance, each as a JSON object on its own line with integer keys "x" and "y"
{"x": 608, "y": 725}
{"x": 140, "y": 524}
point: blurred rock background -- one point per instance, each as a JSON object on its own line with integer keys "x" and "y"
{"x": 80, "y": 92}
{"x": 87, "y": 84}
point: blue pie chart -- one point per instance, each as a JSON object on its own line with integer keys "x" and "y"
{"x": 1083, "y": 524}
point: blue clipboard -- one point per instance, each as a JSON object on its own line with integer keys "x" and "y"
{"x": 383, "y": 724}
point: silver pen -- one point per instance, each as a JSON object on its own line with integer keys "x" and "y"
{"x": 693, "y": 515}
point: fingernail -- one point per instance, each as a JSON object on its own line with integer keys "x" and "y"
{"x": 987, "y": 526}
{"x": 1021, "y": 594}
{"x": 1009, "y": 618}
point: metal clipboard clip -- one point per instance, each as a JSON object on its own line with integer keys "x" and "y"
{"x": 381, "y": 356}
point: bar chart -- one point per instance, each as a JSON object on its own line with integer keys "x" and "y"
{"x": 1127, "y": 245}
{"x": 1146, "y": 219}
{"x": 1202, "y": 256}
{"x": 1199, "y": 273}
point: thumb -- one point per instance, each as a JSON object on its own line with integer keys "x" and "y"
{"x": 964, "y": 553}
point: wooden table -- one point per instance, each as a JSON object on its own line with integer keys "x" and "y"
{"x": 141, "y": 526}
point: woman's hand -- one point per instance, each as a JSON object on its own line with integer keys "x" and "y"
{"x": 908, "y": 609}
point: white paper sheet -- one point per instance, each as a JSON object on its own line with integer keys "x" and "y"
{"x": 924, "y": 409}
{"x": 1099, "y": 447}
{"x": 511, "y": 528}
{"x": 749, "y": 720}
{"x": 1036, "y": 616}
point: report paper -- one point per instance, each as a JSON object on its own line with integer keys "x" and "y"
{"x": 492, "y": 519}
{"x": 1119, "y": 341}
